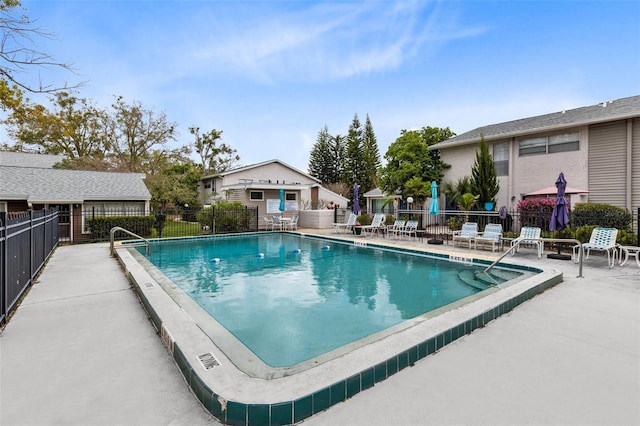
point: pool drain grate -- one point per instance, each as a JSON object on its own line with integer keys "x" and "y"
{"x": 208, "y": 361}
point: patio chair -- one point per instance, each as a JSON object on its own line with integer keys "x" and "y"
{"x": 467, "y": 233}
{"x": 395, "y": 229}
{"x": 268, "y": 223}
{"x": 376, "y": 224}
{"x": 292, "y": 225}
{"x": 276, "y": 223}
{"x": 528, "y": 235}
{"x": 347, "y": 226}
{"x": 492, "y": 235}
{"x": 602, "y": 239}
{"x": 411, "y": 229}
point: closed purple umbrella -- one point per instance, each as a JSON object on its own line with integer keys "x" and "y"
{"x": 356, "y": 203}
{"x": 560, "y": 214}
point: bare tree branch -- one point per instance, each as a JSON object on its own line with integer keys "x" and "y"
{"x": 19, "y": 54}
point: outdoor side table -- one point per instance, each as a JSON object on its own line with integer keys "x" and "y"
{"x": 627, "y": 251}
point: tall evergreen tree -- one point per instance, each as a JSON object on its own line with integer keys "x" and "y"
{"x": 484, "y": 181}
{"x": 371, "y": 156}
{"x": 321, "y": 160}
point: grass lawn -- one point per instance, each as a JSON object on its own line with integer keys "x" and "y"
{"x": 179, "y": 229}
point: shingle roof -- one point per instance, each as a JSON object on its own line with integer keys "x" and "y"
{"x": 602, "y": 112}
{"x": 253, "y": 166}
{"x": 46, "y": 185}
{"x": 24, "y": 159}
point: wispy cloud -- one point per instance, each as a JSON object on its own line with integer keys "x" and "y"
{"x": 326, "y": 41}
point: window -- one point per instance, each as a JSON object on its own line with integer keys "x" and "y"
{"x": 290, "y": 196}
{"x": 551, "y": 144}
{"x": 207, "y": 185}
{"x": 501, "y": 158}
{"x": 256, "y": 195}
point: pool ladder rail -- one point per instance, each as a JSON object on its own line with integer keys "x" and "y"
{"x": 143, "y": 241}
{"x": 547, "y": 240}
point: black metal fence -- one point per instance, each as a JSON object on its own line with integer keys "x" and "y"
{"x": 447, "y": 221}
{"x": 184, "y": 223}
{"x": 26, "y": 242}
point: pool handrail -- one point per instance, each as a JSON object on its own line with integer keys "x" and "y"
{"x": 544, "y": 240}
{"x": 112, "y": 233}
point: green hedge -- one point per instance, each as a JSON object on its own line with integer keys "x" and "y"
{"x": 603, "y": 215}
{"x": 102, "y": 225}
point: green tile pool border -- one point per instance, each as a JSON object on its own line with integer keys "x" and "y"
{"x": 290, "y": 412}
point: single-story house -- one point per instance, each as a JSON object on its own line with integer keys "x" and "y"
{"x": 29, "y": 181}
{"x": 260, "y": 184}
{"x": 597, "y": 148}
{"x": 378, "y": 201}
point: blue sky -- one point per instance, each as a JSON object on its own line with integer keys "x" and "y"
{"x": 270, "y": 75}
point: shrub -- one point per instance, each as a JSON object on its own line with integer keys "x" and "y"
{"x": 364, "y": 219}
{"x": 100, "y": 226}
{"x": 536, "y": 211}
{"x": 603, "y": 215}
{"x": 225, "y": 217}
{"x": 454, "y": 223}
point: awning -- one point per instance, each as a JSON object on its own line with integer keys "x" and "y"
{"x": 552, "y": 190}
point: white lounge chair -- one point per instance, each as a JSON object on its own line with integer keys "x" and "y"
{"x": 411, "y": 229}
{"x": 347, "y": 226}
{"x": 467, "y": 233}
{"x": 376, "y": 224}
{"x": 602, "y": 239}
{"x": 492, "y": 235}
{"x": 395, "y": 229}
{"x": 528, "y": 235}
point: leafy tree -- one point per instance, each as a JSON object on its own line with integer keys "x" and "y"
{"x": 172, "y": 178}
{"x": 454, "y": 191}
{"x": 411, "y": 166}
{"x": 484, "y": 181}
{"x": 74, "y": 128}
{"x": 215, "y": 158}
{"x": 135, "y": 130}
{"x": 17, "y": 55}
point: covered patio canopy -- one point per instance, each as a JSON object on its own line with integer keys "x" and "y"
{"x": 553, "y": 191}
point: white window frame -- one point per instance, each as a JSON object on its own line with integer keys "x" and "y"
{"x": 256, "y": 192}
{"x": 501, "y": 164}
{"x": 563, "y": 142}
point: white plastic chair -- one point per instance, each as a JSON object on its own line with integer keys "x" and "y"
{"x": 395, "y": 229}
{"x": 467, "y": 233}
{"x": 528, "y": 235}
{"x": 376, "y": 223}
{"x": 276, "y": 223}
{"x": 411, "y": 229}
{"x": 268, "y": 223}
{"x": 492, "y": 235}
{"x": 292, "y": 224}
{"x": 602, "y": 239}
{"x": 347, "y": 226}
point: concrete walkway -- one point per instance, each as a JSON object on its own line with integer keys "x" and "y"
{"x": 81, "y": 351}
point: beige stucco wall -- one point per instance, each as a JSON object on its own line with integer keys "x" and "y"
{"x": 528, "y": 173}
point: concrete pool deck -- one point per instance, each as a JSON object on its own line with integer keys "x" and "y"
{"x": 80, "y": 350}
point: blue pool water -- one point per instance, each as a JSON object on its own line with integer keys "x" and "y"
{"x": 289, "y": 298}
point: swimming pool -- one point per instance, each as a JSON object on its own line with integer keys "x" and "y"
{"x": 242, "y": 389}
{"x": 289, "y": 299}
